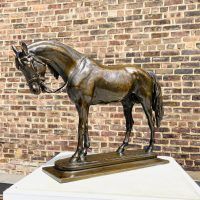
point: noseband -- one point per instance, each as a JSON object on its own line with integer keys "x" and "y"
{"x": 35, "y": 78}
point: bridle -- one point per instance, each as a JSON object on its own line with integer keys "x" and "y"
{"x": 36, "y": 77}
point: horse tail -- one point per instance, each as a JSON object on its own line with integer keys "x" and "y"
{"x": 157, "y": 101}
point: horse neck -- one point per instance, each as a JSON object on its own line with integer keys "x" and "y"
{"x": 61, "y": 58}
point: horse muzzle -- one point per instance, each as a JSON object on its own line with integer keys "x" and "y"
{"x": 35, "y": 88}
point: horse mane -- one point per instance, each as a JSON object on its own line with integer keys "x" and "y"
{"x": 53, "y": 71}
{"x": 49, "y": 64}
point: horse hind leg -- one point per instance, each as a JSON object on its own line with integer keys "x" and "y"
{"x": 127, "y": 108}
{"x": 86, "y": 141}
{"x": 148, "y": 111}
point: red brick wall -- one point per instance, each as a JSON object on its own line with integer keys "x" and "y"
{"x": 160, "y": 35}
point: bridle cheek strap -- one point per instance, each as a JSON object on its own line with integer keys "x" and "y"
{"x": 35, "y": 78}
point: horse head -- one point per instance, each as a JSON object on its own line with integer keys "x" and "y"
{"x": 32, "y": 68}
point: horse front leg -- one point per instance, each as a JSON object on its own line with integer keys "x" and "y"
{"x": 83, "y": 138}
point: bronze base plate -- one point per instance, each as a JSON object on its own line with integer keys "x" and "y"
{"x": 102, "y": 164}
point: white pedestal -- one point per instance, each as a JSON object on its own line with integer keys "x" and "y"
{"x": 167, "y": 181}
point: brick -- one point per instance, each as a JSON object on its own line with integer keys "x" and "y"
{"x": 161, "y": 22}
{"x": 153, "y": 29}
{"x": 189, "y": 149}
{"x": 54, "y": 6}
{"x": 184, "y": 20}
{"x": 172, "y": 2}
{"x": 182, "y": 7}
{"x": 172, "y": 27}
{"x": 85, "y": 21}
{"x": 179, "y": 142}
{"x": 192, "y": 13}
{"x": 115, "y": 19}
{"x": 197, "y": 71}
{"x": 191, "y": 26}
{"x": 141, "y": 60}
{"x": 122, "y": 37}
{"x": 19, "y": 26}
{"x": 172, "y": 78}
{"x": 134, "y": 17}
{"x": 97, "y": 32}
{"x": 133, "y": 54}
{"x": 143, "y": 23}
{"x": 159, "y": 35}
{"x": 190, "y": 64}
{"x": 191, "y": 77}
{"x": 151, "y": 53}
{"x": 164, "y": 9}
{"x": 180, "y": 34}
{"x": 134, "y": 5}
{"x": 190, "y": 52}
{"x": 64, "y": 34}
{"x": 125, "y": 60}
{"x": 196, "y": 97}
{"x": 170, "y": 53}
{"x": 160, "y": 59}
{"x": 106, "y": 26}
{"x": 153, "y": 16}
{"x": 132, "y": 42}
{"x": 183, "y": 71}
{"x": 179, "y": 59}
{"x": 191, "y": 90}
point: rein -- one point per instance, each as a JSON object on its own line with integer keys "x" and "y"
{"x": 48, "y": 90}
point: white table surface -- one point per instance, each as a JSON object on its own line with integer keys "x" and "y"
{"x": 166, "y": 182}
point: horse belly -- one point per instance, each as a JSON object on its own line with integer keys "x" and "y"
{"x": 104, "y": 96}
{"x": 111, "y": 89}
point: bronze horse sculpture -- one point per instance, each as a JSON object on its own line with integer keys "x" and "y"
{"x": 90, "y": 83}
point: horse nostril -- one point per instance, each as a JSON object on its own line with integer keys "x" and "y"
{"x": 34, "y": 87}
{"x": 42, "y": 78}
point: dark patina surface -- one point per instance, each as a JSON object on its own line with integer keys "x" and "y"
{"x": 89, "y": 83}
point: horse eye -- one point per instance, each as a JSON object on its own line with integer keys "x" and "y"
{"x": 34, "y": 67}
{"x": 25, "y": 62}
{"x": 30, "y": 59}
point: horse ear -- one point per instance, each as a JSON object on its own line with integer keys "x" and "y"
{"x": 15, "y": 51}
{"x": 24, "y": 48}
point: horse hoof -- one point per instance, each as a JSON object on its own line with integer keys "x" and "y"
{"x": 74, "y": 160}
{"x": 149, "y": 149}
{"x": 120, "y": 150}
